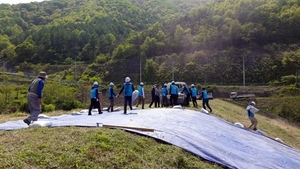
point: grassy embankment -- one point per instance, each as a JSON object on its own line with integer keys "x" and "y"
{"x": 73, "y": 147}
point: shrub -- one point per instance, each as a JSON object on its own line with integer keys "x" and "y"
{"x": 24, "y": 106}
{"x": 290, "y": 111}
{"x": 291, "y": 90}
{"x": 289, "y": 80}
{"x": 68, "y": 105}
{"x": 48, "y": 107}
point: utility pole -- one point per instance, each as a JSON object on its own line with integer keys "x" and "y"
{"x": 140, "y": 68}
{"x": 172, "y": 69}
{"x": 244, "y": 77}
{"x": 139, "y": 52}
{"x": 75, "y": 80}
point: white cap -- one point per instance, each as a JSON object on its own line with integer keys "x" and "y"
{"x": 127, "y": 79}
{"x": 253, "y": 103}
{"x": 173, "y": 82}
{"x": 165, "y": 84}
{"x": 192, "y": 85}
{"x": 111, "y": 84}
{"x": 95, "y": 84}
{"x": 142, "y": 83}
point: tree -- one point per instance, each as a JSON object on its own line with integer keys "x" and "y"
{"x": 291, "y": 61}
{"x": 150, "y": 71}
{"x": 25, "y": 51}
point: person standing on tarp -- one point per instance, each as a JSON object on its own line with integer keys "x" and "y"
{"x": 152, "y": 95}
{"x": 128, "y": 89}
{"x": 111, "y": 96}
{"x": 250, "y": 111}
{"x": 186, "y": 91}
{"x": 157, "y": 94}
{"x": 141, "y": 95}
{"x": 194, "y": 93}
{"x": 205, "y": 99}
{"x": 174, "y": 94}
{"x": 95, "y": 102}
{"x": 164, "y": 93}
{"x": 34, "y": 97}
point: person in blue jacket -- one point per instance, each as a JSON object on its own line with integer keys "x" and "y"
{"x": 164, "y": 93}
{"x": 194, "y": 93}
{"x": 141, "y": 95}
{"x": 128, "y": 89}
{"x": 251, "y": 116}
{"x": 186, "y": 91}
{"x": 174, "y": 94}
{"x": 205, "y": 99}
{"x": 34, "y": 97}
{"x": 111, "y": 96}
{"x": 95, "y": 102}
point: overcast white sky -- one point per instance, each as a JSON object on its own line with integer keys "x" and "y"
{"x": 18, "y": 1}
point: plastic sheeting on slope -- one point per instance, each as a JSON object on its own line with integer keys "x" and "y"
{"x": 201, "y": 134}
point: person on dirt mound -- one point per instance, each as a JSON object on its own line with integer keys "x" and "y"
{"x": 250, "y": 111}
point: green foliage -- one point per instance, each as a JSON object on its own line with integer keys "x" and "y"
{"x": 201, "y": 41}
{"x": 68, "y": 104}
{"x": 24, "y": 106}
{"x": 290, "y": 90}
{"x": 48, "y": 107}
{"x": 289, "y": 80}
{"x": 290, "y": 111}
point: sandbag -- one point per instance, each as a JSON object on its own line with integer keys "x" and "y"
{"x": 84, "y": 111}
{"x": 43, "y": 116}
{"x": 254, "y": 109}
{"x": 204, "y": 111}
{"x": 279, "y": 140}
{"x": 76, "y": 113}
{"x": 239, "y": 125}
{"x": 41, "y": 124}
{"x": 135, "y": 94}
{"x": 177, "y": 107}
{"x": 117, "y": 109}
{"x": 95, "y": 110}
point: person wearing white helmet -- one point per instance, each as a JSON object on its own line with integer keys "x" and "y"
{"x": 164, "y": 93}
{"x": 141, "y": 95}
{"x": 174, "y": 94}
{"x": 111, "y": 96}
{"x": 194, "y": 93}
{"x": 128, "y": 89}
{"x": 94, "y": 95}
{"x": 250, "y": 112}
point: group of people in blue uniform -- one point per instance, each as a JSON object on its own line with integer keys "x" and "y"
{"x": 156, "y": 92}
{"x": 128, "y": 89}
{"x": 192, "y": 93}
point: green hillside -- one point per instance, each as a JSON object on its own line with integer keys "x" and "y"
{"x": 206, "y": 40}
{"x": 200, "y": 42}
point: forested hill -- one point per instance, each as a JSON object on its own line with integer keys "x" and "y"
{"x": 196, "y": 41}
